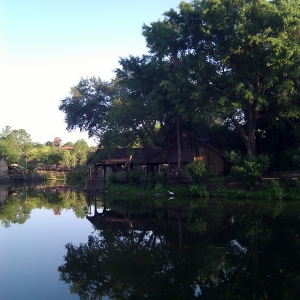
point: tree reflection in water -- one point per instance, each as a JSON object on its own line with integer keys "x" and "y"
{"x": 17, "y": 202}
{"x": 240, "y": 252}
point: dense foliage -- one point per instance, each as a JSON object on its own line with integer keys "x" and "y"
{"x": 16, "y": 146}
{"x": 250, "y": 169}
{"x": 227, "y": 66}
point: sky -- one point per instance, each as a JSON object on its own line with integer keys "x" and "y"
{"x": 47, "y": 46}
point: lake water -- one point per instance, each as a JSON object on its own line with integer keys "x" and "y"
{"x": 32, "y": 246}
{"x": 207, "y": 250}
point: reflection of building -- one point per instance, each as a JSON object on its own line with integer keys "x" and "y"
{"x": 3, "y": 194}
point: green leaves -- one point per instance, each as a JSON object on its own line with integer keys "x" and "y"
{"x": 197, "y": 172}
{"x": 14, "y": 144}
{"x": 250, "y": 169}
{"x": 87, "y": 105}
{"x": 234, "y": 59}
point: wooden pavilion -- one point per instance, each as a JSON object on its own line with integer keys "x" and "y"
{"x": 150, "y": 160}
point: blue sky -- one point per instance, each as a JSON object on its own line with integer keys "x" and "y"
{"x": 46, "y": 46}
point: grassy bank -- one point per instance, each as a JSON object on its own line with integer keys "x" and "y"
{"x": 281, "y": 189}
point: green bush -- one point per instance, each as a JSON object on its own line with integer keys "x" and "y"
{"x": 275, "y": 190}
{"x": 291, "y": 188}
{"x": 111, "y": 179}
{"x": 148, "y": 181}
{"x": 220, "y": 190}
{"x": 197, "y": 172}
{"x": 134, "y": 177}
{"x": 250, "y": 169}
{"x": 160, "y": 178}
{"x": 122, "y": 177}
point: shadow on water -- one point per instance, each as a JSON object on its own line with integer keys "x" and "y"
{"x": 204, "y": 250}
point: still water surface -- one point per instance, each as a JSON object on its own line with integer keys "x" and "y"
{"x": 32, "y": 246}
{"x": 214, "y": 250}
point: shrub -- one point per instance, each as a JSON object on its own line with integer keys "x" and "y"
{"x": 134, "y": 177}
{"x": 197, "y": 172}
{"x": 111, "y": 179}
{"x": 275, "y": 190}
{"x": 220, "y": 191}
{"x": 148, "y": 181}
{"x": 250, "y": 169}
{"x": 160, "y": 178}
{"x": 122, "y": 177}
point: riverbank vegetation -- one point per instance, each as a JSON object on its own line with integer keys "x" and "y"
{"x": 205, "y": 184}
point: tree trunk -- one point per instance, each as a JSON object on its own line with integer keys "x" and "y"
{"x": 178, "y": 174}
{"x": 248, "y": 136}
{"x": 251, "y": 117}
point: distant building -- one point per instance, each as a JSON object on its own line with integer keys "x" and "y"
{"x": 4, "y": 170}
{"x": 3, "y": 166}
{"x": 70, "y": 148}
{"x": 57, "y": 142}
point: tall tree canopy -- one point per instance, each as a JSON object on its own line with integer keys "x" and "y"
{"x": 146, "y": 100}
{"x": 244, "y": 57}
{"x": 235, "y": 59}
{"x": 14, "y": 144}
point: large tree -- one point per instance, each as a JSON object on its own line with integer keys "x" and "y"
{"x": 167, "y": 42}
{"x": 109, "y": 112}
{"x": 15, "y": 144}
{"x": 156, "y": 97}
{"x": 87, "y": 105}
{"x": 144, "y": 110}
{"x": 81, "y": 151}
{"x": 235, "y": 58}
{"x": 244, "y": 57}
